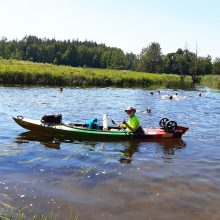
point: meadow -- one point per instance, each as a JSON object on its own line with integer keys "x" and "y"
{"x": 14, "y": 72}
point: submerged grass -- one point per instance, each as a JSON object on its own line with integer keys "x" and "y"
{"x": 29, "y": 73}
{"x": 13, "y": 214}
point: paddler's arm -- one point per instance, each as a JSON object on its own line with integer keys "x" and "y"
{"x": 124, "y": 123}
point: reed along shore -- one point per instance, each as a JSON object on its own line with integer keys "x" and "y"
{"x": 14, "y": 72}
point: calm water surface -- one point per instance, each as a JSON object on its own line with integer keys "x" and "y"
{"x": 176, "y": 179}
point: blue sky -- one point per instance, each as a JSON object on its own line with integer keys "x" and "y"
{"x": 126, "y": 24}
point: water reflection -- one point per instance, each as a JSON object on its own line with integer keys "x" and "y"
{"x": 167, "y": 147}
{"x": 93, "y": 177}
{"x": 128, "y": 152}
{"x": 25, "y": 137}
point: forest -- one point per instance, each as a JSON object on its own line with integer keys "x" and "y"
{"x": 77, "y": 53}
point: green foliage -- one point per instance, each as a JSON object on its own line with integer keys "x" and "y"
{"x": 216, "y": 66}
{"x": 71, "y": 53}
{"x": 92, "y": 55}
{"x": 211, "y": 81}
{"x": 29, "y": 73}
{"x": 204, "y": 65}
{"x": 150, "y": 59}
{"x": 69, "y": 57}
{"x": 131, "y": 61}
{"x": 180, "y": 62}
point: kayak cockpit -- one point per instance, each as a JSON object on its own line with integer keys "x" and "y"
{"x": 85, "y": 126}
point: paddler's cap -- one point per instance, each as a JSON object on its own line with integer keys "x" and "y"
{"x": 130, "y": 109}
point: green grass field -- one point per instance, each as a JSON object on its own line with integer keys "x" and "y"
{"x": 14, "y": 72}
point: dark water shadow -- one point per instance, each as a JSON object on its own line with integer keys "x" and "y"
{"x": 174, "y": 144}
{"x": 127, "y": 153}
{"x": 46, "y": 141}
{"x": 168, "y": 147}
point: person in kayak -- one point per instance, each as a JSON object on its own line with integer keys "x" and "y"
{"x": 133, "y": 124}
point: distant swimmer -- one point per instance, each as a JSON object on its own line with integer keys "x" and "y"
{"x": 158, "y": 92}
{"x": 200, "y": 94}
{"x": 148, "y": 110}
{"x": 175, "y": 96}
{"x": 172, "y": 97}
{"x": 60, "y": 89}
{"x": 151, "y": 93}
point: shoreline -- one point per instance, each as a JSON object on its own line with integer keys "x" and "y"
{"x": 26, "y": 73}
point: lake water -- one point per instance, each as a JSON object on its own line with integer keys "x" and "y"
{"x": 175, "y": 179}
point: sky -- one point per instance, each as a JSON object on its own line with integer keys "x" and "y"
{"x": 127, "y": 24}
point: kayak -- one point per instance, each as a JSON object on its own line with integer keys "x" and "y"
{"x": 79, "y": 131}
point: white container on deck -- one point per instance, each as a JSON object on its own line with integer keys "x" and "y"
{"x": 105, "y": 122}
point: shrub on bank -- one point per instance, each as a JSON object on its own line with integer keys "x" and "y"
{"x": 211, "y": 81}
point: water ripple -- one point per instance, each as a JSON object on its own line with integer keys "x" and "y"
{"x": 175, "y": 177}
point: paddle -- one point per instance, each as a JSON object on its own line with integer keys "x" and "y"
{"x": 113, "y": 122}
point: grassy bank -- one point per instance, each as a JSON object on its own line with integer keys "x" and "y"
{"x": 28, "y": 73}
{"x": 211, "y": 81}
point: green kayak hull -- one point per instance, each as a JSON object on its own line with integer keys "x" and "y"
{"x": 81, "y": 133}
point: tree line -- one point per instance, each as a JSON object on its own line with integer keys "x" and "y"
{"x": 90, "y": 54}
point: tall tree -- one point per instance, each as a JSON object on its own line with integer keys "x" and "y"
{"x": 131, "y": 61}
{"x": 70, "y": 56}
{"x": 150, "y": 58}
{"x": 216, "y": 66}
{"x": 204, "y": 65}
{"x": 118, "y": 59}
